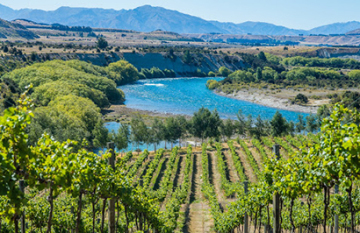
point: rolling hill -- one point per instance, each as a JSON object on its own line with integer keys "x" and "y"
{"x": 8, "y": 29}
{"x": 147, "y": 18}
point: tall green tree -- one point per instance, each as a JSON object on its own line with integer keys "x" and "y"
{"x": 205, "y": 124}
{"x": 240, "y": 124}
{"x": 300, "y": 125}
{"x": 227, "y": 129}
{"x": 138, "y": 131}
{"x": 183, "y": 126}
{"x": 158, "y": 131}
{"x": 173, "y": 130}
{"x": 121, "y": 138}
{"x": 102, "y": 43}
{"x": 311, "y": 123}
{"x": 278, "y": 125}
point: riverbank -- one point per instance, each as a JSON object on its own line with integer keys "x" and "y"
{"x": 273, "y": 101}
{"x": 121, "y": 113}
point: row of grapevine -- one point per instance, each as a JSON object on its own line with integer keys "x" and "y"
{"x": 179, "y": 196}
{"x": 284, "y": 145}
{"x": 268, "y": 142}
{"x": 260, "y": 149}
{"x": 294, "y": 141}
{"x": 237, "y": 163}
{"x": 250, "y": 157}
{"x": 166, "y": 183}
{"x": 229, "y": 188}
{"x": 154, "y": 164}
{"x": 208, "y": 189}
{"x": 138, "y": 163}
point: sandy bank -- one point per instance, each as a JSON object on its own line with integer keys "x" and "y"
{"x": 269, "y": 101}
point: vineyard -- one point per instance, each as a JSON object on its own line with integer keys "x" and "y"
{"x": 312, "y": 181}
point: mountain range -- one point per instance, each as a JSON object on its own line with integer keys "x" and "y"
{"x": 147, "y": 18}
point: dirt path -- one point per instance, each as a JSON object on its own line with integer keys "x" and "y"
{"x": 199, "y": 217}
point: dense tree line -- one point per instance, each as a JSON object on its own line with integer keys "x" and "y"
{"x": 156, "y": 73}
{"x": 289, "y": 72}
{"x": 205, "y": 124}
{"x": 322, "y": 62}
{"x": 57, "y": 26}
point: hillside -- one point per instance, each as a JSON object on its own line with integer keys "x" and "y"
{"x": 147, "y": 18}
{"x": 13, "y": 30}
{"x": 336, "y": 28}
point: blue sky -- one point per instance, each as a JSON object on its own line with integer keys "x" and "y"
{"x": 299, "y": 14}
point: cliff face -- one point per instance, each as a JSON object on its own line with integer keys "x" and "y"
{"x": 337, "y": 52}
{"x": 202, "y": 62}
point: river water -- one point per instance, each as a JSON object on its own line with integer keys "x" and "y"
{"x": 186, "y": 96}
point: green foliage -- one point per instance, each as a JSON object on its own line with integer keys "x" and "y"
{"x": 212, "y": 84}
{"x": 250, "y": 157}
{"x": 67, "y": 117}
{"x": 72, "y": 72}
{"x": 102, "y": 43}
{"x": 121, "y": 138}
{"x": 187, "y": 58}
{"x": 157, "y": 73}
{"x": 122, "y": 72}
{"x": 349, "y": 99}
{"x": 47, "y": 92}
{"x": 301, "y": 99}
{"x": 322, "y": 62}
{"x": 237, "y": 163}
{"x": 224, "y": 72}
{"x": 278, "y": 125}
{"x": 205, "y": 124}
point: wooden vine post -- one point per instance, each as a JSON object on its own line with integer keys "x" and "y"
{"x": 246, "y": 218}
{"x": 111, "y": 213}
{"x": 22, "y": 218}
{"x": 276, "y": 199}
{"x": 336, "y": 217}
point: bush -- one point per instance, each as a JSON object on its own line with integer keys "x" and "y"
{"x": 212, "y": 84}
{"x": 301, "y": 99}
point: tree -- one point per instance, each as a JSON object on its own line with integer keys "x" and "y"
{"x": 187, "y": 58}
{"x": 158, "y": 132}
{"x": 227, "y": 129}
{"x": 173, "y": 130}
{"x": 122, "y": 72}
{"x": 205, "y": 124}
{"x": 311, "y": 123}
{"x": 300, "y": 125}
{"x": 301, "y": 99}
{"x": 183, "y": 126}
{"x": 262, "y": 56}
{"x": 138, "y": 130}
{"x": 224, "y": 72}
{"x": 121, "y": 138}
{"x": 240, "y": 124}
{"x": 102, "y": 43}
{"x": 278, "y": 125}
{"x": 259, "y": 128}
{"x": 258, "y": 74}
{"x": 100, "y": 134}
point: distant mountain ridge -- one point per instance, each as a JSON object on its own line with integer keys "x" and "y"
{"x": 147, "y": 18}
